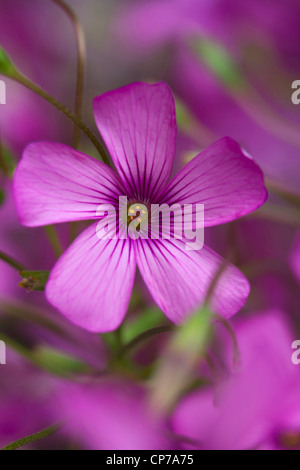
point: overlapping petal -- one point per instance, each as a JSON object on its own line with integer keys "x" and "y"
{"x": 138, "y": 125}
{"x": 179, "y": 280}
{"x": 55, "y": 183}
{"x": 224, "y": 179}
{"x": 91, "y": 283}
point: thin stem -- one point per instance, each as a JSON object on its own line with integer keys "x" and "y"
{"x": 34, "y": 357}
{"x": 279, "y": 214}
{"x": 11, "y": 261}
{"x": 17, "y": 76}
{"x": 236, "y": 350}
{"x": 54, "y": 240}
{"x": 3, "y": 165}
{"x": 24, "y": 352}
{"x": 38, "y": 436}
{"x": 145, "y": 336}
{"x": 283, "y": 192}
{"x": 214, "y": 283}
{"x": 80, "y": 45}
{"x": 28, "y": 313}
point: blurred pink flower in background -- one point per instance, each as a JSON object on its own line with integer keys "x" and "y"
{"x": 25, "y": 397}
{"x": 42, "y": 56}
{"x": 152, "y": 23}
{"x": 110, "y": 415}
{"x": 244, "y": 42}
{"x": 257, "y": 406}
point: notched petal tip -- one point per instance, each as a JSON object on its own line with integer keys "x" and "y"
{"x": 138, "y": 124}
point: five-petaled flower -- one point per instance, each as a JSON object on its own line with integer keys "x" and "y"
{"x": 91, "y": 283}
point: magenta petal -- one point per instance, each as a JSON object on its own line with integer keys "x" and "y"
{"x": 179, "y": 279}
{"x": 110, "y": 416}
{"x": 221, "y": 177}
{"x": 138, "y": 125}
{"x": 55, "y": 183}
{"x": 91, "y": 283}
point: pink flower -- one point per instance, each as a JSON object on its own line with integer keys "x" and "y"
{"x": 110, "y": 415}
{"x": 258, "y": 406}
{"x": 151, "y": 24}
{"x": 266, "y": 126}
{"x": 92, "y": 282}
{"x": 25, "y": 398}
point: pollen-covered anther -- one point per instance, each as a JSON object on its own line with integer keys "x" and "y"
{"x": 137, "y": 212}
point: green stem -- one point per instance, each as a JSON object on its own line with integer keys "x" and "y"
{"x": 145, "y": 336}
{"x": 35, "y": 359}
{"x": 3, "y": 165}
{"x": 24, "y": 352}
{"x": 54, "y": 240}
{"x": 11, "y": 261}
{"x": 214, "y": 282}
{"x": 28, "y": 313}
{"x": 283, "y": 192}
{"x": 38, "y": 436}
{"x": 236, "y": 350}
{"x": 279, "y": 214}
{"x": 80, "y": 45}
{"x": 18, "y": 77}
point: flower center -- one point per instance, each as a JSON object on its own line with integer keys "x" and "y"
{"x": 137, "y": 214}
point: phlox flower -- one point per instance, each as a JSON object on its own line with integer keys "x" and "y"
{"x": 91, "y": 283}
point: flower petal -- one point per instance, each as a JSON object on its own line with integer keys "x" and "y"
{"x": 110, "y": 415}
{"x": 91, "y": 283}
{"x": 138, "y": 125}
{"x": 179, "y": 280}
{"x": 224, "y": 179}
{"x": 55, "y": 183}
